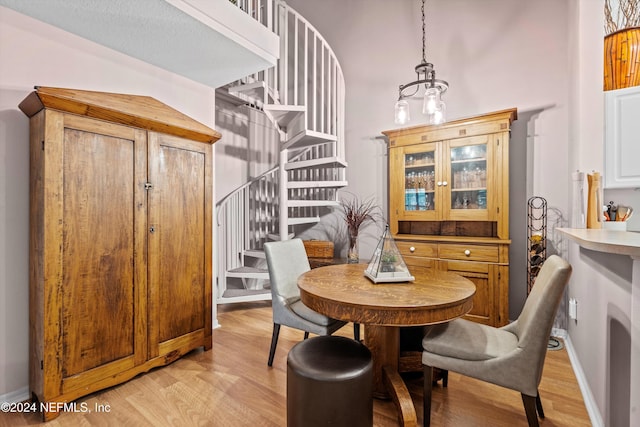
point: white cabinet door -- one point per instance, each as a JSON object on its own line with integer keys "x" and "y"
{"x": 622, "y": 144}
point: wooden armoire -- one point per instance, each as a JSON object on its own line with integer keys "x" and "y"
{"x": 120, "y": 251}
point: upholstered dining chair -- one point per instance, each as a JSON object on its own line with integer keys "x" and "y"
{"x": 287, "y": 260}
{"x": 511, "y": 356}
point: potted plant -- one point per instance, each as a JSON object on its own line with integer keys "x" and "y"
{"x": 388, "y": 262}
{"x": 357, "y": 212}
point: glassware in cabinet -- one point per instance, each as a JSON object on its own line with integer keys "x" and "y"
{"x": 419, "y": 181}
{"x": 468, "y": 176}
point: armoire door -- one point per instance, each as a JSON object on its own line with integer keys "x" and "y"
{"x": 101, "y": 168}
{"x": 180, "y": 236}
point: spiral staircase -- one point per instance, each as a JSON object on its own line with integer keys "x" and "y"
{"x": 303, "y": 97}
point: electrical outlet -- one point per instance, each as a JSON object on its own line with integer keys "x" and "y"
{"x": 573, "y": 309}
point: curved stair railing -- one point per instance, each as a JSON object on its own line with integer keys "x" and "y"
{"x": 303, "y": 96}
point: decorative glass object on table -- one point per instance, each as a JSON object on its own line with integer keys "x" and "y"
{"x": 419, "y": 181}
{"x": 469, "y": 177}
{"x": 387, "y": 264}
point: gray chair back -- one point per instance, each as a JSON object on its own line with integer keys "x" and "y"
{"x": 287, "y": 260}
{"x": 534, "y": 324}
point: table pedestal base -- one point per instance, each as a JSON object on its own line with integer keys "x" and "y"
{"x": 384, "y": 343}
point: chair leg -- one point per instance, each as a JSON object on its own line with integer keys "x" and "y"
{"x": 426, "y": 396}
{"x": 306, "y": 334}
{"x": 539, "y": 406}
{"x": 356, "y": 331}
{"x": 274, "y": 343}
{"x": 530, "y": 408}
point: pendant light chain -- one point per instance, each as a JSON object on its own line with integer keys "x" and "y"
{"x": 424, "y": 39}
{"x": 433, "y": 106}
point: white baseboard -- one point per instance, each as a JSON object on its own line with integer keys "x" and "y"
{"x": 587, "y": 396}
{"x": 16, "y": 396}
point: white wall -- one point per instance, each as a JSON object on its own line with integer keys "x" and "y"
{"x": 495, "y": 54}
{"x": 33, "y": 53}
{"x": 601, "y": 283}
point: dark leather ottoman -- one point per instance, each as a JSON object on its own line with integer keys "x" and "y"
{"x": 329, "y": 383}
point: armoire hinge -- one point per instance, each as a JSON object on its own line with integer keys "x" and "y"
{"x": 148, "y": 186}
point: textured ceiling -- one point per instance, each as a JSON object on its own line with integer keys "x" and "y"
{"x": 171, "y": 34}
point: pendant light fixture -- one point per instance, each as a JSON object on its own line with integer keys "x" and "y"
{"x": 433, "y": 106}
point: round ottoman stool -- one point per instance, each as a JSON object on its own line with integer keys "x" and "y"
{"x": 329, "y": 383}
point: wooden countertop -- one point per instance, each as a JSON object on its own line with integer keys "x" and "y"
{"x": 610, "y": 241}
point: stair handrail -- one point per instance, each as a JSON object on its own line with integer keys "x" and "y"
{"x": 225, "y": 199}
{"x": 328, "y": 99}
{"x": 273, "y": 170}
{"x": 318, "y": 87}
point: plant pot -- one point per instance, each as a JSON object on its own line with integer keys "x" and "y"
{"x": 622, "y": 59}
{"x": 388, "y": 267}
{"x": 353, "y": 256}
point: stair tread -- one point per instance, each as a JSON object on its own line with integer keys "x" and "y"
{"x": 307, "y": 138}
{"x": 250, "y": 91}
{"x": 284, "y": 114}
{"x": 245, "y": 269}
{"x": 248, "y": 273}
{"x": 323, "y": 161}
{"x": 303, "y": 220}
{"x": 316, "y": 184}
{"x": 311, "y": 203}
{"x": 244, "y": 295}
{"x": 276, "y": 237}
{"x": 256, "y": 253}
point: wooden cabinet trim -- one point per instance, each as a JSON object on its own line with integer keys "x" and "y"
{"x": 495, "y": 122}
{"x": 468, "y": 252}
{"x": 419, "y": 249}
{"x": 452, "y": 239}
{"x": 131, "y": 110}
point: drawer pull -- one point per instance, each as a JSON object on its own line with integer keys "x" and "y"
{"x": 444, "y": 183}
{"x": 412, "y": 249}
{"x": 439, "y": 183}
{"x": 467, "y": 252}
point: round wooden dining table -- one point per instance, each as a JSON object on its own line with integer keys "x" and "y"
{"x": 343, "y": 292}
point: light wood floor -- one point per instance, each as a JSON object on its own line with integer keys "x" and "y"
{"x": 231, "y": 385}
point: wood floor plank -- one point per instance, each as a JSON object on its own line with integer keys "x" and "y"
{"x": 231, "y": 385}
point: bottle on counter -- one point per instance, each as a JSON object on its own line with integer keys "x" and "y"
{"x": 594, "y": 201}
{"x": 578, "y": 219}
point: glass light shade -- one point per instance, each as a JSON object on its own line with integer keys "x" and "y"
{"x": 402, "y": 115}
{"x": 439, "y": 114}
{"x": 431, "y": 100}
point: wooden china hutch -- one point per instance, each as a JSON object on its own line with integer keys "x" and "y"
{"x": 449, "y": 203}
